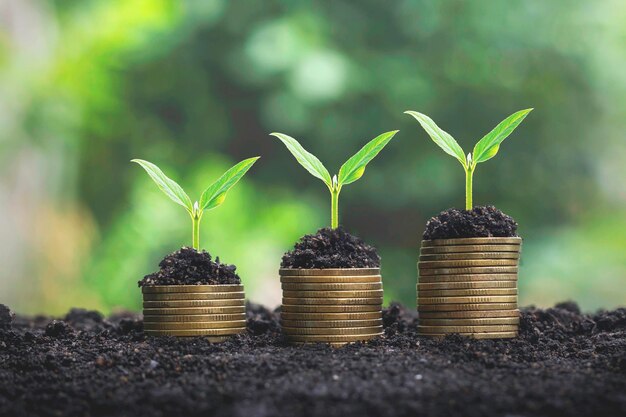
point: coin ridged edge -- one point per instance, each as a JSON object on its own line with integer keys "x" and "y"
{"x": 473, "y": 241}
{"x": 331, "y": 331}
{"x": 150, "y": 289}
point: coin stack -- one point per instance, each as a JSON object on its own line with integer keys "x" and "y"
{"x": 469, "y": 286}
{"x": 335, "y": 306}
{"x": 213, "y": 311}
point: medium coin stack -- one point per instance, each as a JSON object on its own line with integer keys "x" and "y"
{"x": 335, "y": 306}
{"x": 469, "y": 286}
{"x": 213, "y": 311}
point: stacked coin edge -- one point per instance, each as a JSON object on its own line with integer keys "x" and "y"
{"x": 468, "y": 286}
{"x": 215, "y": 312}
{"x": 335, "y": 305}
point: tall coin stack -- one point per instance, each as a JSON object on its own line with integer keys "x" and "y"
{"x": 213, "y": 311}
{"x": 335, "y": 306}
{"x": 469, "y": 286}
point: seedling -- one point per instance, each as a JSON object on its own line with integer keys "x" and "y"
{"x": 350, "y": 171}
{"x": 212, "y": 197}
{"x": 485, "y": 149}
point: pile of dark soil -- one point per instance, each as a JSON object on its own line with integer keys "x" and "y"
{"x": 187, "y": 266}
{"x": 481, "y": 221}
{"x": 331, "y": 248}
{"x": 563, "y": 364}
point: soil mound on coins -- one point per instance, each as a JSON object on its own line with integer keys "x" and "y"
{"x": 187, "y": 266}
{"x": 481, "y": 221}
{"x": 331, "y": 248}
{"x": 563, "y": 364}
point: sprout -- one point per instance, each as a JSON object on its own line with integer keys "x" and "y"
{"x": 484, "y": 150}
{"x": 212, "y": 197}
{"x": 351, "y": 171}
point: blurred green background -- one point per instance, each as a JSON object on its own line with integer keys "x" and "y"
{"x": 194, "y": 86}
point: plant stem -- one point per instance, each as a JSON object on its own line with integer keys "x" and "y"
{"x": 469, "y": 177}
{"x": 334, "y": 208}
{"x": 195, "y": 224}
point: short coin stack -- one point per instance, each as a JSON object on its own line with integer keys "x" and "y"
{"x": 335, "y": 306}
{"x": 214, "y": 311}
{"x": 469, "y": 286}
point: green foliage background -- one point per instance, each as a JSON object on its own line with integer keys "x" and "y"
{"x": 196, "y": 85}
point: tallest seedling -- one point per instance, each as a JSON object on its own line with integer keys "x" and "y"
{"x": 349, "y": 172}
{"x": 485, "y": 149}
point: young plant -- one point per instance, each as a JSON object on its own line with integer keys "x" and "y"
{"x": 212, "y": 197}
{"x": 350, "y": 171}
{"x": 485, "y": 149}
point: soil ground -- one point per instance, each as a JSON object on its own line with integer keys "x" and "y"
{"x": 331, "y": 248}
{"x": 563, "y": 364}
{"x": 481, "y": 221}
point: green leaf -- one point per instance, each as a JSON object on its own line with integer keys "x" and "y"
{"x": 354, "y": 167}
{"x": 306, "y": 159}
{"x": 216, "y": 193}
{"x": 439, "y": 136}
{"x": 167, "y": 185}
{"x": 489, "y": 145}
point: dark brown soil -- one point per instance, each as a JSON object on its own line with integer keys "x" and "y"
{"x": 190, "y": 267}
{"x": 563, "y": 364}
{"x": 481, "y": 221}
{"x": 331, "y": 248}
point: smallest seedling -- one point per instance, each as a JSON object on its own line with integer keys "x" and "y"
{"x": 212, "y": 197}
{"x": 484, "y": 150}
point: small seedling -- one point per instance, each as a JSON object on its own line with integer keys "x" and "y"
{"x": 350, "y": 171}
{"x": 485, "y": 149}
{"x": 212, "y": 197}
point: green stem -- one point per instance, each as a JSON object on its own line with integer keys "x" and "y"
{"x": 195, "y": 225}
{"x": 334, "y": 208}
{"x": 469, "y": 178}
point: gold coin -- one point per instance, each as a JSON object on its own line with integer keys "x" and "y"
{"x": 491, "y": 335}
{"x": 427, "y": 315}
{"x": 470, "y": 322}
{"x": 426, "y": 286}
{"x": 194, "y": 303}
{"x": 285, "y": 279}
{"x": 469, "y": 263}
{"x": 467, "y": 307}
{"x": 331, "y": 338}
{"x": 288, "y": 308}
{"x": 149, "y": 289}
{"x": 194, "y": 325}
{"x": 331, "y": 316}
{"x": 331, "y": 330}
{"x": 466, "y": 292}
{"x": 467, "y": 278}
{"x": 193, "y": 310}
{"x": 333, "y": 301}
{"x": 193, "y": 296}
{"x": 333, "y": 286}
{"x": 333, "y": 294}
{"x": 329, "y": 272}
{"x": 472, "y": 270}
{"x": 464, "y": 300}
{"x": 194, "y": 318}
{"x": 428, "y": 250}
{"x": 467, "y": 329}
{"x": 196, "y": 332}
{"x": 473, "y": 241}
{"x": 331, "y": 323}
{"x": 469, "y": 256}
